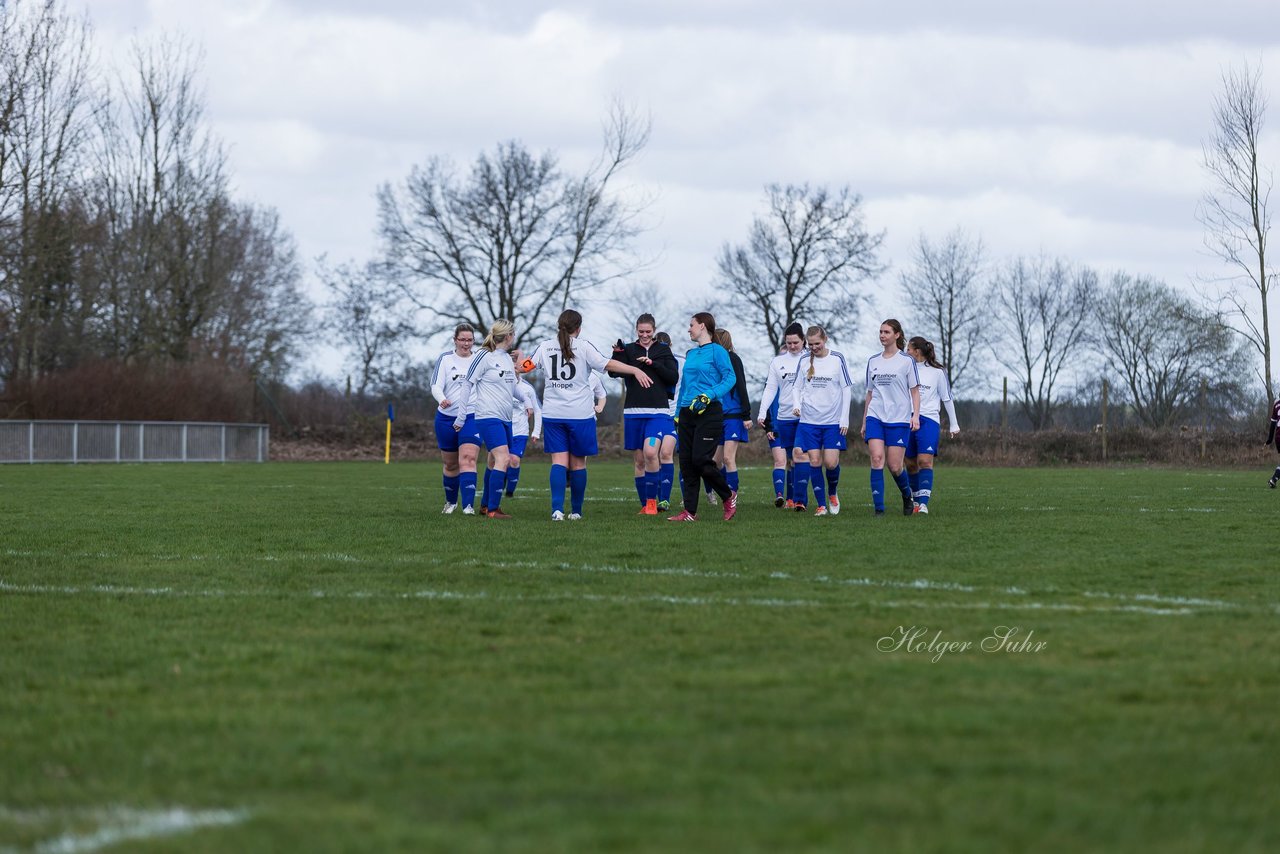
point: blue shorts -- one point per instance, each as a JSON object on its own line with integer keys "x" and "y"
{"x": 518, "y": 444}
{"x": 449, "y": 439}
{"x": 895, "y": 435}
{"x": 784, "y": 434}
{"x": 733, "y": 429}
{"x": 574, "y": 435}
{"x": 814, "y": 437}
{"x": 638, "y": 428}
{"x": 925, "y": 440}
{"x": 494, "y": 432}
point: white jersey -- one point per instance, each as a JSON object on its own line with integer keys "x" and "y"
{"x": 889, "y": 382}
{"x": 449, "y": 382}
{"x": 597, "y": 390}
{"x": 935, "y": 388}
{"x": 780, "y": 384}
{"x": 525, "y": 399}
{"x": 492, "y": 376}
{"x": 823, "y": 398}
{"x": 567, "y": 393}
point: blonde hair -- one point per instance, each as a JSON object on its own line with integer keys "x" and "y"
{"x": 813, "y": 330}
{"x": 723, "y": 338}
{"x": 499, "y": 332}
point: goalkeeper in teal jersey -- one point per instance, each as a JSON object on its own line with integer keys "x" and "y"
{"x": 707, "y": 378}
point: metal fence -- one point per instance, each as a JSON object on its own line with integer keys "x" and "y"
{"x": 131, "y": 442}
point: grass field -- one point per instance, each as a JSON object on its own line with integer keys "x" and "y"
{"x": 308, "y": 657}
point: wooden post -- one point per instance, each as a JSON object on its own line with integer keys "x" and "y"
{"x": 1104, "y": 420}
{"x": 1004, "y": 418}
{"x": 1204, "y": 419}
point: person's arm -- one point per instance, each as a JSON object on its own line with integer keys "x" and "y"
{"x": 766, "y": 396}
{"x": 740, "y": 386}
{"x": 795, "y": 395}
{"x": 846, "y": 399}
{"x": 437, "y": 384}
{"x": 624, "y": 356}
{"x": 613, "y": 365}
{"x": 953, "y": 424}
{"x": 1271, "y": 433}
{"x": 665, "y": 368}
{"x": 722, "y": 369}
{"x": 537, "y": 420}
{"x": 866, "y": 404}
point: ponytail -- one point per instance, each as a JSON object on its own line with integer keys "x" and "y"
{"x": 499, "y": 332}
{"x": 568, "y": 323}
{"x": 813, "y": 330}
{"x": 926, "y": 349}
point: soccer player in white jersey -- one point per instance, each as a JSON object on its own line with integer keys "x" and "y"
{"x": 922, "y": 447}
{"x": 492, "y": 376}
{"x": 891, "y": 411}
{"x": 821, "y": 392}
{"x": 781, "y": 419}
{"x": 568, "y": 410}
{"x": 1272, "y": 439}
{"x": 667, "y": 450}
{"x": 598, "y": 395}
{"x": 449, "y": 388}
{"x": 526, "y": 406}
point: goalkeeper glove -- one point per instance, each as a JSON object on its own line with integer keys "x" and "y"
{"x": 699, "y": 404}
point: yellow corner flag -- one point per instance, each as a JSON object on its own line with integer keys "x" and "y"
{"x": 391, "y": 416}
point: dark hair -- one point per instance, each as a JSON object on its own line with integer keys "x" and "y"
{"x": 568, "y": 323}
{"x": 793, "y": 329}
{"x": 663, "y": 337}
{"x": 814, "y": 330}
{"x": 647, "y": 318}
{"x": 708, "y": 320}
{"x": 464, "y": 327}
{"x": 896, "y": 327}
{"x": 925, "y": 347}
{"x": 723, "y": 338}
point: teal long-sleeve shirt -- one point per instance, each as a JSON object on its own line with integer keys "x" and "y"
{"x": 707, "y": 370}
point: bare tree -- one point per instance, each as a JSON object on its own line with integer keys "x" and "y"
{"x": 46, "y": 105}
{"x": 805, "y": 260}
{"x": 1236, "y": 210}
{"x": 944, "y": 288}
{"x": 1044, "y": 309}
{"x": 1165, "y": 349}
{"x": 364, "y": 316}
{"x": 517, "y": 238}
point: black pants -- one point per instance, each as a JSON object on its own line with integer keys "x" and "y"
{"x": 699, "y": 436}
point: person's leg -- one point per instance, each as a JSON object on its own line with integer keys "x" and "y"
{"x": 559, "y": 480}
{"x": 924, "y": 478}
{"x": 513, "y": 475}
{"x": 894, "y": 458}
{"x": 815, "y": 474}
{"x": 875, "y": 447}
{"x": 497, "y": 477}
{"x": 468, "y": 454}
{"x": 708, "y": 430}
{"x": 690, "y": 477}
{"x": 666, "y": 469}
{"x": 913, "y": 472}
{"x": 652, "y": 477}
{"x": 779, "y": 474}
{"x": 831, "y": 462}
{"x": 638, "y": 470}
{"x": 577, "y": 484}
{"x": 450, "y": 477}
{"x": 730, "y": 469}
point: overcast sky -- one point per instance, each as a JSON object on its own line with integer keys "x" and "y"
{"x": 1069, "y": 128}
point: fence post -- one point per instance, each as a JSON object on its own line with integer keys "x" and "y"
{"x": 75, "y": 442}
{"x": 224, "y": 443}
{"x": 31, "y": 441}
{"x": 1004, "y": 417}
{"x": 1104, "y": 420}
{"x": 142, "y": 441}
{"x": 117, "y": 441}
{"x": 1204, "y": 422}
{"x": 184, "y": 443}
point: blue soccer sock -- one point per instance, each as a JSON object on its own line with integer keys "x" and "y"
{"x": 451, "y": 489}
{"x": 651, "y": 486}
{"x": 496, "y": 483}
{"x": 641, "y": 488}
{"x": 779, "y": 481}
{"x": 731, "y": 478}
{"x": 914, "y": 477}
{"x": 467, "y": 488}
{"x": 800, "y": 477}
{"x": 904, "y": 484}
{"x": 833, "y": 479}
{"x": 819, "y": 491}
{"x": 488, "y": 485}
{"x": 877, "y": 488}
{"x": 559, "y": 479}
{"x": 513, "y": 480}
{"x": 666, "y": 480}
{"x": 577, "y": 489}
{"x": 791, "y": 485}
{"x": 926, "y": 486}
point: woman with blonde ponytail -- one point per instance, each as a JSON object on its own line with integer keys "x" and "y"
{"x": 820, "y": 399}
{"x": 492, "y": 376}
{"x": 568, "y": 407}
{"x": 890, "y": 412}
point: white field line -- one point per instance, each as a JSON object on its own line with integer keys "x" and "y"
{"x": 118, "y": 825}
{"x": 619, "y": 599}
{"x": 418, "y": 560}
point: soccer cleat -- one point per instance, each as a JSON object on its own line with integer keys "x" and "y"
{"x": 879, "y": 513}
{"x": 683, "y": 516}
{"x": 557, "y": 515}
{"x": 799, "y": 508}
{"x": 468, "y": 510}
{"x": 650, "y": 508}
{"x": 1272, "y": 483}
{"x": 574, "y": 517}
{"x": 779, "y": 500}
{"x": 449, "y": 508}
{"x": 511, "y": 495}
{"x": 822, "y": 511}
{"x": 730, "y": 506}
{"x": 484, "y": 511}
{"x": 922, "y": 509}
{"x": 790, "y": 505}
{"x": 908, "y": 505}
{"x": 664, "y": 506}
{"x": 711, "y": 499}
{"x": 497, "y": 514}
{"x": 833, "y": 505}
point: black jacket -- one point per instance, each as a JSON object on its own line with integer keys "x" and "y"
{"x": 738, "y": 403}
{"x": 664, "y": 372}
